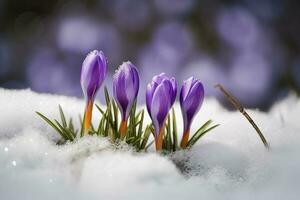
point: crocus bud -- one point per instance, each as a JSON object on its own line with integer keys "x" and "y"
{"x": 92, "y": 76}
{"x": 126, "y": 87}
{"x": 160, "y": 96}
{"x": 191, "y": 99}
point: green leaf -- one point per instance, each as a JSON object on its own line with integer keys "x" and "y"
{"x": 52, "y": 125}
{"x": 98, "y": 107}
{"x": 107, "y": 114}
{"x": 138, "y": 115}
{"x": 106, "y": 94}
{"x": 137, "y": 140}
{"x": 71, "y": 127}
{"x": 146, "y": 148}
{"x": 82, "y": 125}
{"x": 201, "y": 132}
{"x": 175, "y": 141}
{"x": 92, "y": 128}
{"x": 62, "y": 116}
{"x": 145, "y": 137}
{"x": 132, "y": 120}
{"x": 100, "y": 126}
{"x": 116, "y": 115}
{"x": 140, "y": 129}
{"x": 202, "y": 128}
{"x": 152, "y": 130}
{"x": 168, "y": 135}
{"x": 65, "y": 131}
{"x": 129, "y": 140}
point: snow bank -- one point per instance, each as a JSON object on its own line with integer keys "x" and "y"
{"x": 229, "y": 163}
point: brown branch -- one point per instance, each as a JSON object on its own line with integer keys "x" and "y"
{"x": 238, "y": 106}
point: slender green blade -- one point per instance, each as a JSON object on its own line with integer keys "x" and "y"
{"x": 136, "y": 141}
{"x": 106, "y": 94}
{"x": 106, "y": 114}
{"x": 201, "y": 129}
{"x": 132, "y": 120}
{"x": 200, "y": 133}
{"x": 145, "y": 137}
{"x": 168, "y": 135}
{"x": 140, "y": 129}
{"x": 62, "y": 116}
{"x": 175, "y": 140}
{"x": 71, "y": 126}
{"x": 146, "y": 148}
{"x": 98, "y": 107}
{"x": 68, "y": 134}
{"x": 92, "y": 128}
{"x": 52, "y": 125}
{"x": 82, "y": 125}
{"x": 116, "y": 114}
{"x": 138, "y": 115}
{"x": 100, "y": 126}
{"x": 130, "y": 139}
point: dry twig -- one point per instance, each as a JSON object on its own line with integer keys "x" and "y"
{"x": 238, "y": 106}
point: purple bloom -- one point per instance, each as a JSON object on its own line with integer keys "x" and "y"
{"x": 92, "y": 76}
{"x": 160, "y": 96}
{"x": 126, "y": 86}
{"x": 191, "y": 99}
{"x": 93, "y": 73}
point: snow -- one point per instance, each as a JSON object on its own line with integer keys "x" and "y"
{"x": 228, "y": 163}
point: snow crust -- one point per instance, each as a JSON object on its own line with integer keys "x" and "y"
{"x": 228, "y": 163}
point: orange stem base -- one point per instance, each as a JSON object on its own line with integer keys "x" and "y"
{"x": 185, "y": 139}
{"x": 159, "y": 140}
{"x": 123, "y": 129}
{"x": 88, "y": 117}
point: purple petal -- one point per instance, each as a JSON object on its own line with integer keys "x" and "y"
{"x": 192, "y": 102}
{"x": 186, "y": 87}
{"x": 120, "y": 92}
{"x": 161, "y": 104}
{"x": 93, "y": 73}
{"x": 174, "y": 90}
{"x": 126, "y": 86}
{"x": 159, "y": 78}
{"x": 151, "y": 87}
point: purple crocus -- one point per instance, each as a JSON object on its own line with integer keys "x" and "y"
{"x": 160, "y": 97}
{"x": 126, "y": 87}
{"x": 92, "y": 76}
{"x": 191, "y": 99}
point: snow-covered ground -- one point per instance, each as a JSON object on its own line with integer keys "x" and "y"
{"x": 228, "y": 163}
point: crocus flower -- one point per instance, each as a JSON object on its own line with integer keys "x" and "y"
{"x": 126, "y": 87}
{"x": 92, "y": 76}
{"x": 160, "y": 96}
{"x": 191, "y": 99}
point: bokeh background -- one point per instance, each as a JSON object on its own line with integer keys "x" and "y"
{"x": 250, "y": 46}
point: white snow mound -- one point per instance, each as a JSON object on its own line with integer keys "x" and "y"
{"x": 228, "y": 163}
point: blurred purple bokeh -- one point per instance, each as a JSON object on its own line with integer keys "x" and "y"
{"x": 251, "y": 47}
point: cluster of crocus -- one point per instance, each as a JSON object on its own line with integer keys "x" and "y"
{"x": 125, "y": 87}
{"x": 160, "y": 95}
